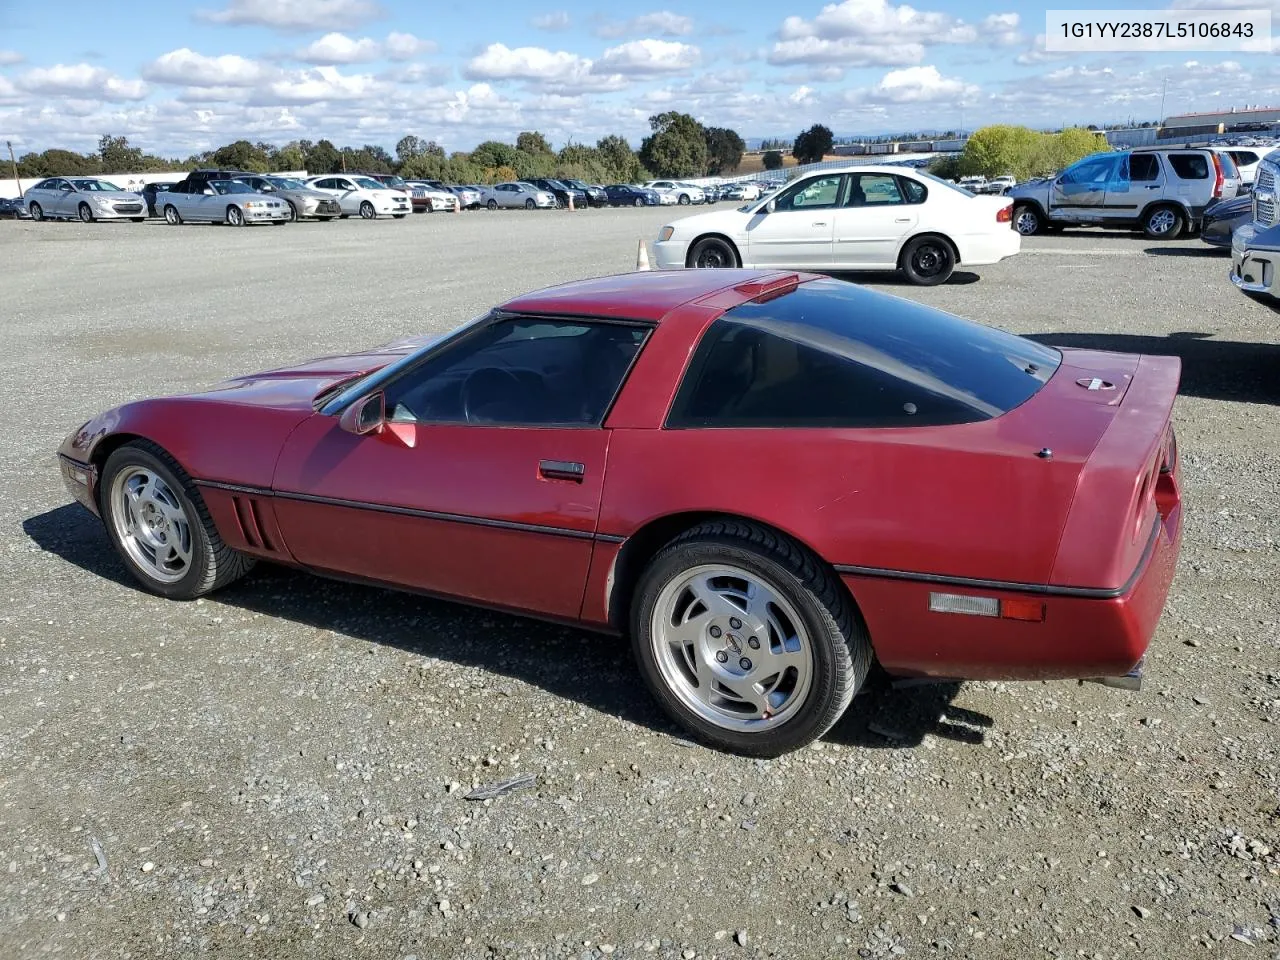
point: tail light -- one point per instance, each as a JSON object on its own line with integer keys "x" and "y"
{"x": 1218, "y": 178}
{"x": 1005, "y": 214}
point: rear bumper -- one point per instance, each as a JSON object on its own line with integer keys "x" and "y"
{"x": 1084, "y": 635}
{"x": 986, "y": 248}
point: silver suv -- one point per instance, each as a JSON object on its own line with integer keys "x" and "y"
{"x": 1158, "y": 190}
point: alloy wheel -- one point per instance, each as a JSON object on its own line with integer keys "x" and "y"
{"x": 152, "y": 524}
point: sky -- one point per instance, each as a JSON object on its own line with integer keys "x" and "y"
{"x": 183, "y": 76}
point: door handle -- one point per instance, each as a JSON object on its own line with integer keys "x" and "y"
{"x": 1153, "y": 186}
{"x": 903, "y": 220}
{"x": 561, "y": 470}
{"x": 819, "y": 223}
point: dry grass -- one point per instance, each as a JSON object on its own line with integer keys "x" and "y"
{"x": 754, "y": 163}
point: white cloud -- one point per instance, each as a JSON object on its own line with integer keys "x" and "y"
{"x": 649, "y": 57}
{"x": 320, "y": 84}
{"x": 1001, "y": 29}
{"x": 405, "y": 46}
{"x": 875, "y": 32}
{"x": 10, "y": 57}
{"x": 1037, "y": 53}
{"x": 334, "y": 48}
{"x": 921, "y": 85}
{"x": 81, "y": 80}
{"x": 559, "y": 70}
{"x": 187, "y": 68}
{"x": 296, "y": 15}
{"x": 801, "y": 95}
{"x": 557, "y": 20}
{"x": 663, "y": 23}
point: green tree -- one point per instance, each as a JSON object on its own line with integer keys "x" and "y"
{"x": 242, "y": 155}
{"x": 532, "y": 142}
{"x": 55, "y": 162}
{"x": 1001, "y": 149}
{"x": 620, "y": 163}
{"x": 1062, "y": 149}
{"x": 116, "y": 156}
{"x": 322, "y": 157}
{"x": 677, "y": 147}
{"x": 493, "y": 154}
{"x": 408, "y": 148}
{"x": 289, "y": 157}
{"x": 724, "y": 150}
{"x": 812, "y": 145}
{"x": 772, "y": 159}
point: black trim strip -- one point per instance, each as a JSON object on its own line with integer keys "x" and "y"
{"x": 78, "y": 463}
{"x": 1042, "y": 589}
{"x": 403, "y": 511}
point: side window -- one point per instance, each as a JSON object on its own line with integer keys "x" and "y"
{"x": 872, "y": 189}
{"x": 1144, "y": 167}
{"x": 1094, "y": 172}
{"x": 913, "y": 190}
{"x": 345, "y": 184}
{"x": 526, "y": 371}
{"x": 44, "y": 185}
{"x": 814, "y": 193}
{"x": 1244, "y": 157}
{"x": 1190, "y": 166}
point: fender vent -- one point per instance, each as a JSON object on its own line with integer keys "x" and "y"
{"x": 249, "y": 517}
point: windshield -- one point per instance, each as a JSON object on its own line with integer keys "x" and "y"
{"x": 231, "y": 186}
{"x": 286, "y": 183}
{"x": 367, "y": 183}
{"x": 99, "y": 186}
{"x": 396, "y": 183}
{"x": 946, "y": 183}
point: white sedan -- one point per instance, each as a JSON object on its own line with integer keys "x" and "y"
{"x": 684, "y": 193}
{"x": 362, "y": 196}
{"x": 857, "y": 218}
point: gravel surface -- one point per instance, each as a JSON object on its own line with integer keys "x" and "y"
{"x": 283, "y": 769}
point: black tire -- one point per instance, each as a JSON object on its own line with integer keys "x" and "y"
{"x": 1028, "y": 220}
{"x": 36, "y": 211}
{"x": 235, "y": 216}
{"x": 213, "y": 563}
{"x": 138, "y": 219}
{"x": 928, "y": 261}
{"x": 278, "y": 223}
{"x": 529, "y": 204}
{"x": 367, "y": 211}
{"x": 1164, "y": 222}
{"x": 293, "y": 211}
{"x": 684, "y": 200}
{"x": 326, "y": 219}
{"x": 713, "y": 253}
{"x": 842, "y": 652}
{"x": 85, "y": 212}
{"x": 171, "y": 215}
{"x": 639, "y": 202}
{"x": 492, "y": 204}
{"x": 398, "y": 216}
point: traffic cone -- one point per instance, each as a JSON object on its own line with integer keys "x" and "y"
{"x": 642, "y": 257}
{"x": 457, "y": 203}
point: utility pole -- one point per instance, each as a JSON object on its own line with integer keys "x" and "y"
{"x": 1164, "y": 90}
{"x": 14, "y": 163}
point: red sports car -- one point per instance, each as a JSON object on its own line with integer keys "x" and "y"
{"x": 766, "y": 479}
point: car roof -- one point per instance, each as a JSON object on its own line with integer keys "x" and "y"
{"x": 645, "y": 295}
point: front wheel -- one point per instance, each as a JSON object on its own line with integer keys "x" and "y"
{"x": 529, "y": 204}
{"x": 160, "y": 525}
{"x": 684, "y": 200}
{"x": 638, "y": 202}
{"x": 492, "y": 204}
{"x": 235, "y": 216}
{"x": 712, "y": 253}
{"x": 928, "y": 261}
{"x": 85, "y": 213}
{"x": 367, "y": 211}
{"x": 1163, "y": 223}
{"x": 746, "y": 639}
{"x": 293, "y": 211}
{"x": 36, "y": 211}
{"x": 1027, "y": 220}
{"x": 171, "y": 215}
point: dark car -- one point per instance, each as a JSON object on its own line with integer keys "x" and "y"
{"x": 13, "y": 209}
{"x": 626, "y": 195}
{"x": 149, "y": 194}
{"x": 536, "y": 461}
{"x": 1221, "y": 219}
{"x": 560, "y": 191}
{"x": 711, "y": 192}
{"x": 596, "y": 195}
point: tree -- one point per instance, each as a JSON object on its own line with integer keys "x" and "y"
{"x": 55, "y": 162}
{"x": 322, "y": 157}
{"x": 1000, "y": 149}
{"x": 532, "y": 142}
{"x": 116, "y": 156}
{"x": 242, "y": 155}
{"x": 812, "y": 145}
{"x": 772, "y": 160}
{"x": 620, "y": 163}
{"x": 289, "y": 157}
{"x": 724, "y": 150}
{"x": 493, "y": 154}
{"x": 408, "y": 147}
{"x": 677, "y": 147}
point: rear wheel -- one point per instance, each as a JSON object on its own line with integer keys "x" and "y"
{"x": 1163, "y": 223}
{"x": 85, "y": 212}
{"x": 235, "y": 216}
{"x": 712, "y": 253}
{"x": 746, "y": 639}
{"x": 160, "y": 525}
{"x": 367, "y": 211}
{"x": 928, "y": 261}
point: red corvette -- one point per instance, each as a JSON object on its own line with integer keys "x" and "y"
{"x": 766, "y": 479}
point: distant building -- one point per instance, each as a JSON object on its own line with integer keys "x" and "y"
{"x": 1250, "y": 119}
{"x": 1132, "y": 137}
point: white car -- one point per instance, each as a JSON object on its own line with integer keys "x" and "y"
{"x": 86, "y": 198}
{"x": 362, "y": 196}
{"x": 856, "y": 218}
{"x": 685, "y": 193}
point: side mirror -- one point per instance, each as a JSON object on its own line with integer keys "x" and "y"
{"x": 366, "y": 415}
{"x": 208, "y": 191}
{"x": 771, "y": 206}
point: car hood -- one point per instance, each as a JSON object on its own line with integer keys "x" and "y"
{"x": 308, "y": 194}
{"x": 733, "y": 222}
{"x": 298, "y": 385}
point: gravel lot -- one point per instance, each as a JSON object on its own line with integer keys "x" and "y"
{"x": 280, "y": 770}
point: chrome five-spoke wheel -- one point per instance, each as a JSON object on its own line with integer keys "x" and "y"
{"x": 152, "y": 524}
{"x": 733, "y": 650}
